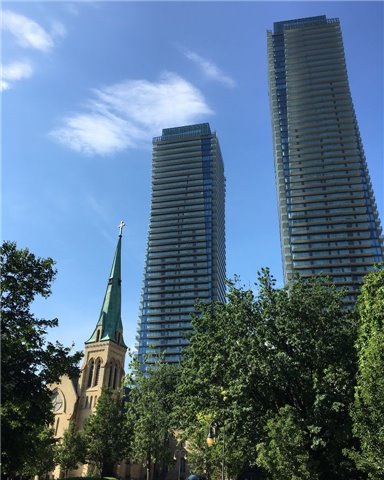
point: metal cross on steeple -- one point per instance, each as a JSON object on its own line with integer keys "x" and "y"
{"x": 121, "y": 226}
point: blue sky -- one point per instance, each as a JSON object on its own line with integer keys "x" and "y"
{"x": 86, "y": 85}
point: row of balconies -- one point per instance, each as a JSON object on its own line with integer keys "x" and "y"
{"x": 306, "y": 79}
{"x": 334, "y": 86}
{"x": 331, "y": 253}
{"x": 351, "y": 261}
{"x": 333, "y": 212}
{"x": 312, "y": 117}
{"x": 330, "y": 220}
{"x": 342, "y": 193}
{"x": 169, "y": 182}
{"x": 331, "y": 182}
{"x": 178, "y": 285}
{"x": 159, "y": 266}
{"x": 325, "y": 174}
{"x": 330, "y": 245}
{"x": 192, "y": 275}
{"x": 154, "y": 260}
{"x": 342, "y": 235}
{"x": 181, "y": 168}
{"x": 317, "y": 146}
{"x": 323, "y": 163}
{"x": 329, "y": 227}
{"x": 331, "y": 185}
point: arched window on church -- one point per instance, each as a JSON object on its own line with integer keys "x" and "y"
{"x": 111, "y": 371}
{"x": 97, "y": 372}
{"x": 90, "y": 373}
{"x": 90, "y": 402}
{"x": 115, "y": 377}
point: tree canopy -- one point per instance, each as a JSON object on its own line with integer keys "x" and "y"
{"x": 275, "y": 365}
{"x": 70, "y": 450}
{"x": 368, "y": 408}
{"x": 149, "y": 415}
{"x": 28, "y": 361}
{"x": 106, "y": 434}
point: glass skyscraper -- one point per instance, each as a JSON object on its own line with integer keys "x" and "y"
{"x": 328, "y": 218}
{"x": 185, "y": 259}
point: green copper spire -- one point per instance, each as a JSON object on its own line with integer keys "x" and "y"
{"x": 109, "y": 326}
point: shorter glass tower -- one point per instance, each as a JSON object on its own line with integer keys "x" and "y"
{"x": 185, "y": 259}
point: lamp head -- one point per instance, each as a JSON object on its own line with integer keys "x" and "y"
{"x": 210, "y": 440}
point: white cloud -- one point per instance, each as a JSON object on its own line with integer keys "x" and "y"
{"x": 28, "y": 33}
{"x": 209, "y": 69}
{"x": 14, "y": 71}
{"x": 130, "y": 113}
{"x": 58, "y": 29}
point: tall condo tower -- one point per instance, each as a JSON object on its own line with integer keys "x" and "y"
{"x": 328, "y": 218}
{"x": 186, "y": 242}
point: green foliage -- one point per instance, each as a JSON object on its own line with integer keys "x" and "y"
{"x": 151, "y": 401}
{"x": 289, "y": 349}
{"x": 284, "y": 449}
{"x": 70, "y": 450}
{"x": 368, "y": 408}
{"x": 28, "y": 361}
{"x": 39, "y": 459}
{"x": 106, "y": 434}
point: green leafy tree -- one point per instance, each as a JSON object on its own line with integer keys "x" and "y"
{"x": 258, "y": 353}
{"x": 284, "y": 449}
{"x": 149, "y": 415}
{"x": 40, "y": 458}
{"x": 71, "y": 449}
{"x": 368, "y": 408}
{"x": 28, "y": 361}
{"x": 106, "y": 434}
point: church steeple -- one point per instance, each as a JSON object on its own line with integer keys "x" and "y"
{"x": 109, "y": 326}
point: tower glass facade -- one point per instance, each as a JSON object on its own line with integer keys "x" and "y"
{"x": 328, "y": 218}
{"x": 185, "y": 259}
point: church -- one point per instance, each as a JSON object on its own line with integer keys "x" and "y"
{"x": 103, "y": 365}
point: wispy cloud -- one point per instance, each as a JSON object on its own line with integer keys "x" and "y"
{"x": 128, "y": 114}
{"x": 14, "y": 71}
{"x": 209, "y": 69}
{"x": 27, "y": 32}
{"x": 57, "y": 30}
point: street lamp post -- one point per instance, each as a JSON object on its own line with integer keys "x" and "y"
{"x": 181, "y": 453}
{"x": 214, "y": 427}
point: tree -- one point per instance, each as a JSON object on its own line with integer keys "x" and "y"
{"x": 29, "y": 363}
{"x": 106, "y": 434}
{"x": 149, "y": 408}
{"x": 368, "y": 408}
{"x": 284, "y": 448}
{"x": 40, "y": 457}
{"x": 71, "y": 449}
{"x": 271, "y": 362}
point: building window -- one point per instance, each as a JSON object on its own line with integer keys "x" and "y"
{"x": 114, "y": 377}
{"x": 97, "y": 372}
{"x": 90, "y": 373}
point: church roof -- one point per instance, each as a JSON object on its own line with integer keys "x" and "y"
{"x": 110, "y": 315}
